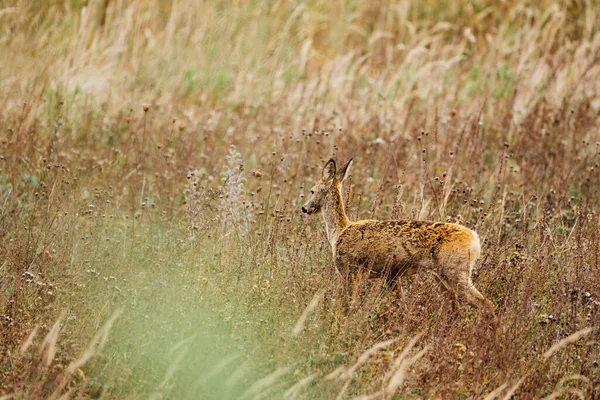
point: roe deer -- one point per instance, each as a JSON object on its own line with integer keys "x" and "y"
{"x": 399, "y": 246}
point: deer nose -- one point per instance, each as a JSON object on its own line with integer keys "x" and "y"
{"x": 304, "y": 210}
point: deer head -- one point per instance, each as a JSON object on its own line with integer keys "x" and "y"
{"x": 327, "y": 189}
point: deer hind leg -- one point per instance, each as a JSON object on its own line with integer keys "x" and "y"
{"x": 462, "y": 287}
{"x": 448, "y": 292}
{"x": 474, "y": 297}
{"x": 457, "y": 270}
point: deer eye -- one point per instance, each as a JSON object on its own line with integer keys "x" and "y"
{"x": 312, "y": 192}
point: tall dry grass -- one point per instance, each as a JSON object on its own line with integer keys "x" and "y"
{"x": 120, "y": 190}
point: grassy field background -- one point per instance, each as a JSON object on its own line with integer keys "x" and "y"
{"x": 154, "y": 156}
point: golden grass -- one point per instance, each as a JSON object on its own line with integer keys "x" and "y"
{"x": 154, "y": 155}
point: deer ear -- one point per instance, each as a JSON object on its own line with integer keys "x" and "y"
{"x": 329, "y": 170}
{"x": 342, "y": 173}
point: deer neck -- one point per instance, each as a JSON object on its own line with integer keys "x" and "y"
{"x": 335, "y": 216}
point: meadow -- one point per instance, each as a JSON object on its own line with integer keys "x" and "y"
{"x": 154, "y": 156}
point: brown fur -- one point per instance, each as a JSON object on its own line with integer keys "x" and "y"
{"x": 396, "y": 247}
